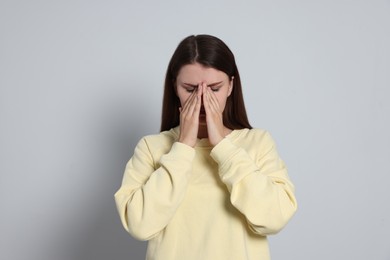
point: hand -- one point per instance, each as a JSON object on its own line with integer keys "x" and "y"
{"x": 214, "y": 118}
{"x": 189, "y": 118}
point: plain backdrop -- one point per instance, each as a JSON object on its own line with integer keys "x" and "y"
{"x": 81, "y": 82}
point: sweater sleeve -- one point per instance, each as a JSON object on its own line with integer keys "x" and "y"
{"x": 259, "y": 187}
{"x": 151, "y": 189}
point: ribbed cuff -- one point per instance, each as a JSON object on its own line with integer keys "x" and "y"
{"x": 183, "y": 151}
{"x": 223, "y": 151}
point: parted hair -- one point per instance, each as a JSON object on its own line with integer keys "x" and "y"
{"x": 211, "y": 52}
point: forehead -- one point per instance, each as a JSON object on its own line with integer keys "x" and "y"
{"x": 196, "y": 73}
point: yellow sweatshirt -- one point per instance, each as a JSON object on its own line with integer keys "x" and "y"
{"x": 206, "y": 203}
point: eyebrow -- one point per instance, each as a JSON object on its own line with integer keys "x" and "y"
{"x": 209, "y": 85}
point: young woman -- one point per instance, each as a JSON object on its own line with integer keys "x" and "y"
{"x": 208, "y": 186}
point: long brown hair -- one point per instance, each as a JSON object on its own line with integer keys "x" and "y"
{"x": 208, "y": 51}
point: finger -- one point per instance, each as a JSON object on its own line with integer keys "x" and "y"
{"x": 191, "y": 108}
{"x": 206, "y": 100}
{"x": 193, "y": 104}
{"x": 200, "y": 91}
{"x": 187, "y": 103}
{"x": 198, "y": 102}
{"x": 213, "y": 100}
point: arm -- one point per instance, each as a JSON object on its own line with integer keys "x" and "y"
{"x": 259, "y": 187}
{"x": 149, "y": 197}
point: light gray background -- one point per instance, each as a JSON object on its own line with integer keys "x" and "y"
{"x": 81, "y": 82}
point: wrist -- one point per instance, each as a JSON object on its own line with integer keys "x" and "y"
{"x": 190, "y": 143}
{"x": 214, "y": 141}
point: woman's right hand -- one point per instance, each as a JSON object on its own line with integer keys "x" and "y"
{"x": 189, "y": 118}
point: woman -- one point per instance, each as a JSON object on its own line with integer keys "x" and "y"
{"x": 208, "y": 186}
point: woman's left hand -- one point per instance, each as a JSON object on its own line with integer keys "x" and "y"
{"x": 214, "y": 119}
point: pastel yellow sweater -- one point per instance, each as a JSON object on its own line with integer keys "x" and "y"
{"x": 202, "y": 203}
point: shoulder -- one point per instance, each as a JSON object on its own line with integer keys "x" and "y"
{"x": 251, "y": 135}
{"x": 161, "y": 142}
{"x": 255, "y": 139}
